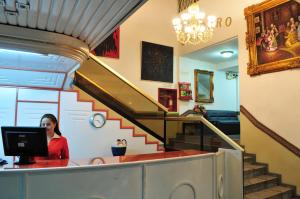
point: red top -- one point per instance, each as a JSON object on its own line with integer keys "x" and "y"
{"x": 57, "y": 149}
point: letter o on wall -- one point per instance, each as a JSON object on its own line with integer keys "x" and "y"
{"x": 228, "y": 21}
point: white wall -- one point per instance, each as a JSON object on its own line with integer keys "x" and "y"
{"x": 7, "y": 110}
{"x": 225, "y": 91}
{"x": 152, "y": 23}
{"x": 272, "y": 98}
{"x": 25, "y": 107}
{"x": 85, "y": 140}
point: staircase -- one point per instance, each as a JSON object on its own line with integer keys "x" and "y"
{"x": 259, "y": 183}
{"x": 114, "y": 91}
{"x": 192, "y": 141}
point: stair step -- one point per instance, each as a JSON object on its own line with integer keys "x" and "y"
{"x": 188, "y": 140}
{"x": 258, "y": 183}
{"x": 249, "y": 158}
{"x": 252, "y": 170}
{"x": 249, "y": 154}
{"x": 208, "y": 141}
{"x": 181, "y": 145}
{"x": 213, "y": 136}
{"x": 275, "y": 192}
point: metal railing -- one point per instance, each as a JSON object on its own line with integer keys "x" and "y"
{"x": 203, "y": 122}
{"x": 112, "y": 89}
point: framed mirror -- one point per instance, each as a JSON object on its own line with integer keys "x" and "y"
{"x": 204, "y": 86}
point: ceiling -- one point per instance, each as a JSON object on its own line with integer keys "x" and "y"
{"x": 88, "y": 20}
{"x": 32, "y": 61}
{"x": 212, "y": 54}
{"x": 19, "y": 68}
{"x": 229, "y": 68}
{"x": 44, "y": 26}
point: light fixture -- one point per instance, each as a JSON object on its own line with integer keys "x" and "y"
{"x": 192, "y": 26}
{"x": 231, "y": 75}
{"x": 226, "y": 53}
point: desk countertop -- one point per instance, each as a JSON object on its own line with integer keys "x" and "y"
{"x": 101, "y": 161}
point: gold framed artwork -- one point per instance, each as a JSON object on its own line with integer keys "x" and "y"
{"x": 273, "y": 36}
{"x": 204, "y": 86}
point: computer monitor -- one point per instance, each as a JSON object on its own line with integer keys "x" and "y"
{"x": 25, "y": 142}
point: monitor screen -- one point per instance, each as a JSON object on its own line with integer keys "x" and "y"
{"x": 24, "y": 141}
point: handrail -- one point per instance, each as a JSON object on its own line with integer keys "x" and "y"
{"x": 196, "y": 118}
{"x": 104, "y": 96}
{"x": 221, "y": 134}
{"x": 211, "y": 126}
{"x": 127, "y": 82}
{"x": 167, "y": 118}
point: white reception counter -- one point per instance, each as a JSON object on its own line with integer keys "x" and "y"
{"x": 186, "y": 174}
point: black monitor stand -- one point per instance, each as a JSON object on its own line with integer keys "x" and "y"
{"x": 25, "y": 160}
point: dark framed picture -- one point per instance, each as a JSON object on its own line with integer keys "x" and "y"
{"x": 110, "y": 47}
{"x": 157, "y": 62}
{"x": 273, "y": 37}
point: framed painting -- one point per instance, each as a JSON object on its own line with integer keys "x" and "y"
{"x": 273, "y": 36}
{"x": 110, "y": 47}
{"x": 157, "y": 62}
{"x": 204, "y": 86}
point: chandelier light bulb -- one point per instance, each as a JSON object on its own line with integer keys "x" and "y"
{"x": 193, "y": 26}
{"x": 178, "y": 27}
{"x": 202, "y": 28}
{"x": 200, "y": 15}
{"x": 188, "y": 29}
{"x": 211, "y": 18}
{"x": 176, "y": 21}
{"x": 185, "y": 16}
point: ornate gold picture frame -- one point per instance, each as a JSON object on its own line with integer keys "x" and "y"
{"x": 204, "y": 86}
{"x": 273, "y": 36}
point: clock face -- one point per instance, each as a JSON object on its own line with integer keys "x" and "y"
{"x": 97, "y": 120}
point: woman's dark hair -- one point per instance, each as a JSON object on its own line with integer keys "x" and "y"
{"x": 54, "y": 120}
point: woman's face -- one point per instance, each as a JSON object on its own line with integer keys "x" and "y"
{"x": 46, "y": 122}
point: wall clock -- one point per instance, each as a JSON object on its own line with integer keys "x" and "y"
{"x": 97, "y": 120}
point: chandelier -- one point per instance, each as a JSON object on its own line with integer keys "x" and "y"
{"x": 192, "y": 26}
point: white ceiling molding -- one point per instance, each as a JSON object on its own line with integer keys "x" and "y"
{"x": 89, "y": 20}
{"x": 17, "y": 60}
{"x": 17, "y": 38}
{"x": 50, "y": 56}
{"x": 58, "y": 33}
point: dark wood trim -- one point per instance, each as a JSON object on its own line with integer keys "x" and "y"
{"x": 270, "y": 132}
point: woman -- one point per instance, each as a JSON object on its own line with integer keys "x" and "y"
{"x": 57, "y": 144}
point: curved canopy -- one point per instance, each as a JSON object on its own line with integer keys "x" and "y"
{"x": 91, "y": 21}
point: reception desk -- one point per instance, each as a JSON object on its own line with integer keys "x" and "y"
{"x": 186, "y": 174}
